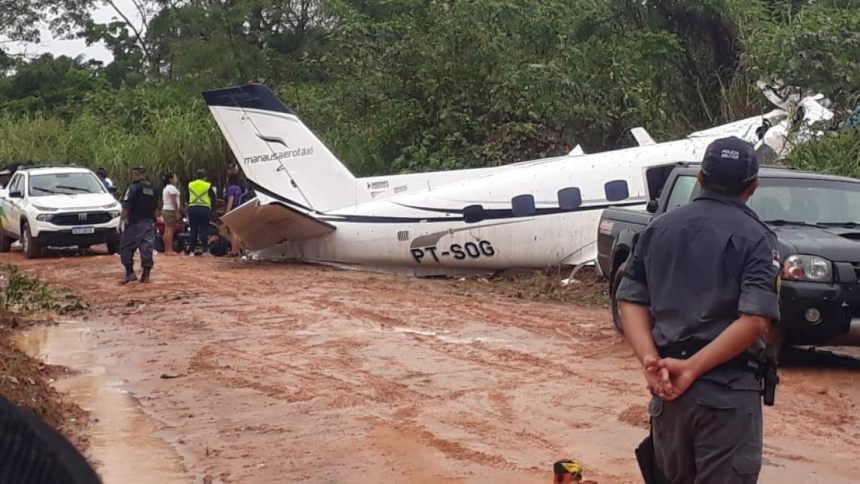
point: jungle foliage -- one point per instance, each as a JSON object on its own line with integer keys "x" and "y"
{"x": 411, "y": 85}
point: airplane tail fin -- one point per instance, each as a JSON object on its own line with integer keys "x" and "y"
{"x": 277, "y": 152}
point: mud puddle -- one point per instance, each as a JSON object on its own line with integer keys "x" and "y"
{"x": 123, "y": 444}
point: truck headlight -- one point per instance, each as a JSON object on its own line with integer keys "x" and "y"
{"x": 114, "y": 214}
{"x": 807, "y": 268}
{"x": 44, "y": 209}
{"x": 44, "y": 217}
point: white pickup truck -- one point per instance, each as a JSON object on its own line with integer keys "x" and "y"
{"x": 59, "y": 206}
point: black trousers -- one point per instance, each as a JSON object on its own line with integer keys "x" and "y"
{"x": 199, "y": 218}
{"x": 139, "y": 235}
{"x": 711, "y": 434}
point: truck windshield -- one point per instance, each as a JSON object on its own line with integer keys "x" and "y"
{"x": 791, "y": 200}
{"x": 808, "y": 201}
{"x": 64, "y": 184}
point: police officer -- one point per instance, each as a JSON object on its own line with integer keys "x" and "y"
{"x": 696, "y": 301}
{"x": 200, "y": 197}
{"x": 139, "y": 206}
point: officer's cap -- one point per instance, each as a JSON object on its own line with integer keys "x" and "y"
{"x": 139, "y": 169}
{"x": 730, "y": 162}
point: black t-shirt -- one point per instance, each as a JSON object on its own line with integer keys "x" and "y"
{"x": 141, "y": 201}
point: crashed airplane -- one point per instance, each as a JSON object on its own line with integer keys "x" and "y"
{"x": 533, "y": 214}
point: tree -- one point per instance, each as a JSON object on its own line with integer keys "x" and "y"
{"x": 49, "y": 84}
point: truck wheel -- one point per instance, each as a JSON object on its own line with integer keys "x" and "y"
{"x": 616, "y": 313}
{"x": 5, "y": 242}
{"x": 112, "y": 243}
{"x": 31, "y": 247}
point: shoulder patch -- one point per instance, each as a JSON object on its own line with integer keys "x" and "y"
{"x": 776, "y": 259}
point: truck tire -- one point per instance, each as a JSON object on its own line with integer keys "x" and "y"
{"x": 32, "y": 249}
{"x": 616, "y": 313}
{"x": 112, "y": 243}
{"x": 5, "y": 242}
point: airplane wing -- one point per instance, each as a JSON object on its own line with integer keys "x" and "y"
{"x": 262, "y": 225}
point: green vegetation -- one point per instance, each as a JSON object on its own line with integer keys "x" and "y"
{"x": 839, "y": 154}
{"x": 414, "y": 85}
{"x": 24, "y": 294}
{"x": 21, "y": 292}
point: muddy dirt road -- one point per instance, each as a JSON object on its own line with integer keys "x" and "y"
{"x": 286, "y": 373}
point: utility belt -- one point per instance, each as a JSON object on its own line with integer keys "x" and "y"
{"x": 763, "y": 366}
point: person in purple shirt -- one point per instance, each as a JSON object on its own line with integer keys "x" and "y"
{"x": 233, "y": 198}
{"x": 233, "y": 194}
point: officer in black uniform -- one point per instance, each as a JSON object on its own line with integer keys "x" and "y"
{"x": 696, "y": 301}
{"x": 139, "y": 206}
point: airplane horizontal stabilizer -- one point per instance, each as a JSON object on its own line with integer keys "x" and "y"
{"x": 642, "y": 137}
{"x": 262, "y": 225}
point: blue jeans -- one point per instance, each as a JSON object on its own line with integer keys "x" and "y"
{"x": 199, "y": 218}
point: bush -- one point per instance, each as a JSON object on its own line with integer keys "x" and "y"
{"x": 838, "y": 154}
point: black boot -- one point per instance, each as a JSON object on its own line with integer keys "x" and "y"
{"x": 129, "y": 275}
{"x": 145, "y": 276}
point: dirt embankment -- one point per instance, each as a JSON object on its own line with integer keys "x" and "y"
{"x": 24, "y": 380}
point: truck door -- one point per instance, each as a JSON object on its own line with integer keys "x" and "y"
{"x": 12, "y": 206}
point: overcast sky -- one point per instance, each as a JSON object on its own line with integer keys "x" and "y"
{"x": 74, "y": 48}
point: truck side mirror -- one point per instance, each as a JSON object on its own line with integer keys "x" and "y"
{"x": 652, "y": 206}
{"x": 16, "y": 195}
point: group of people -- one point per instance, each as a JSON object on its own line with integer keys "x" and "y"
{"x": 141, "y": 206}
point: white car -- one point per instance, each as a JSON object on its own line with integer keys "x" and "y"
{"x": 57, "y": 207}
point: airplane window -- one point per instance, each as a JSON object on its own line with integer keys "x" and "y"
{"x": 569, "y": 198}
{"x": 473, "y": 213}
{"x": 616, "y": 190}
{"x": 523, "y": 205}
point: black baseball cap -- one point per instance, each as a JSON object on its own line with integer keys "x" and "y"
{"x": 139, "y": 169}
{"x": 730, "y": 162}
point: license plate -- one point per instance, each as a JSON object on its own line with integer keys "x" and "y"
{"x": 83, "y": 230}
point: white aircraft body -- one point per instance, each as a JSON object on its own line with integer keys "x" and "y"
{"x": 533, "y": 214}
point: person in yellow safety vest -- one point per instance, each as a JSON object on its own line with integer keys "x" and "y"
{"x": 200, "y": 198}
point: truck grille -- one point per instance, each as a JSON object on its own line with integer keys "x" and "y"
{"x": 81, "y": 218}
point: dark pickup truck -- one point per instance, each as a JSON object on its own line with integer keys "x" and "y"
{"x": 816, "y": 219}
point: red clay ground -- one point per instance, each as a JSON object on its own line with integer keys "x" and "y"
{"x": 290, "y": 373}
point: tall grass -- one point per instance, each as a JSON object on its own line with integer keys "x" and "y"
{"x": 837, "y": 154}
{"x": 175, "y": 138}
